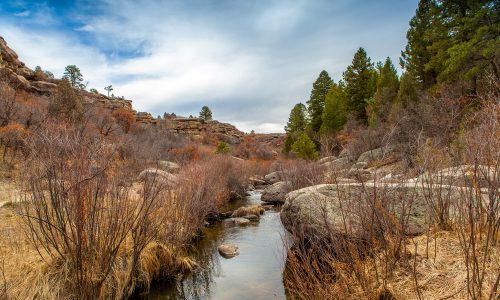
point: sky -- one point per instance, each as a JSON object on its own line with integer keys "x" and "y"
{"x": 250, "y": 61}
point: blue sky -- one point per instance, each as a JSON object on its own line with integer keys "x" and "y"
{"x": 249, "y": 61}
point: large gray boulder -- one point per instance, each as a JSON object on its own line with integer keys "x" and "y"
{"x": 168, "y": 166}
{"x": 374, "y": 154}
{"x": 338, "y": 164}
{"x": 326, "y": 159}
{"x": 276, "y": 193}
{"x": 330, "y": 210}
{"x": 273, "y": 177}
{"x": 163, "y": 177}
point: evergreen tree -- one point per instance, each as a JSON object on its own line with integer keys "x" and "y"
{"x": 316, "y": 102}
{"x": 335, "y": 112}
{"x": 417, "y": 55}
{"x": 305, "y": 148}
{"x": 206, "y": 113}
{"x": 359, "y": 84}
{"x": 297, "y": 120}
{"x": 109, "y": 89}
{"x": 474, "y": 47}
{"x": 74, "y": 76}
{"x": 387, "y": 91}
{"x": 287, "y": 146}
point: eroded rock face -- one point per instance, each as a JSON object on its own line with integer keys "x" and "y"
{"x": 228, "y": 250}
{"x": 276, "y": 193}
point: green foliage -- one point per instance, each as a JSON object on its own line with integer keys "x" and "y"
{"x": 407, "y": 92}
{"x": 305, "y": 148}
{"x": 66, "y": 103}
{"x": 287, "y": 147}
{"x": 109, "y": 89}
{"x": 74, "y": 76}
{"x": 359, "y": 84}
{"x": 297, "y": 120}
{"x": 336, "y": 110}
{"x": 205, "y": 113}
{"x": 386, "y": 92}
{"x": 452, "y": 40}
{"x": 94, "y": 91}
{"x": 316, "y": 102}
{"x": 222, "y": 148}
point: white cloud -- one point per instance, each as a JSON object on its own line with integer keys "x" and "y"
{"x": 24, "y": 13}
{"x": 249, "y": 65}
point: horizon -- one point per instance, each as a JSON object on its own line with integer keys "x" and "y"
{"x": 249, "y": 62}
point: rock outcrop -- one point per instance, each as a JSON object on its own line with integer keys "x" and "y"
{"x": 276, "y": 193}
{"x": 170, "y": 180}
{"x": 228, "y": 250}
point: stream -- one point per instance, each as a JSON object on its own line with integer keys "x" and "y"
{"x": 256, "y": 273}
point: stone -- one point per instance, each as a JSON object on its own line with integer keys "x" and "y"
{"x": 328, "y": 210}
{"x": 168, "y": 166}
{"x": 374, "y": 154}
{"x": 228, "y": 250}
{"x": 326, "y": 159}
{"x": 276, "y": 193}
{"x": 257, "y": 181}
{"x": 338, "y": 164}
{"x": 44, "y": 87}
{"x": 273, "y": 177}
{"x": 238, "y": 221}
{"x": 252, "y": 217}
{"x": 248, "y": 210}
{"x": 170, "y": 180}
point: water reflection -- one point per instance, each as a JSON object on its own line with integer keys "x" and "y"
{"x": 254, "y": 274}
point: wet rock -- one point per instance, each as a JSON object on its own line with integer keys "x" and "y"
{"x": 252, "y": 217}
{"x": 276, "y": 192}
{"x": 238, "y": 221}
{"x": 228, "y": 250}
{"x": 273, "y": 177}
{"x": 248, "y": 210}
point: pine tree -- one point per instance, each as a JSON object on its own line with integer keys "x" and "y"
{"x": 222, "y": 148}
{"x": 297, "y": 120}
{"x": 305, "y": 148}
{"x": 417, "y": 53}
{"x": 206, "y": 113}
{"x": 387, "y": 90}
{"x": 359, "y": 84}
{"x": 316, "y": 102}
{"x": 287, "y": 146}
{"x": 74, "y": 76}
{"x": 335, "y": 112}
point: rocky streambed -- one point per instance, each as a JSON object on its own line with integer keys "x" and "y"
{"x": 254, "y": 272}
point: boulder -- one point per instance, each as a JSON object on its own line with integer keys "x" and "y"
{"x": 168, "y": 166}
{"x": 276, "y": 193}
{"x": 327, "y": 211}
{"x": 238, "y": 221}
{"x": 248, "y": 210}
{"x": 273, "y": 177}
{"x": 257, "y": 181}
{"x": 170, "y": 180}
{"x": 374, "y": 154}
{"x": 252, "y": 217}
{"x": 346, "y": 153}
{"x": 338, "y": 164}
{"x": 228, "y": 250}
{"x": 43, "y": 87}
{"x": 326, "y": 159}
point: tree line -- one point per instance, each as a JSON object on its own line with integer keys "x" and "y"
{"x": 449, "y": 42}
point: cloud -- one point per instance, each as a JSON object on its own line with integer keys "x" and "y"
{"x": 24, "y": 13}
{"x": 249, "y": 61}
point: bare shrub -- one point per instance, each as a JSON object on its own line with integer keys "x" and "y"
{"x": 301, "y": 173}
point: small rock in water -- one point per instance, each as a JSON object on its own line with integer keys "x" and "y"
{"x": 228, "y": 250}
{"x": 252, "y": 217}
{"x": 239, "y": 221}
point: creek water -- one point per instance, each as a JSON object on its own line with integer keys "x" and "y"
{"x": 256, "y": 273}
